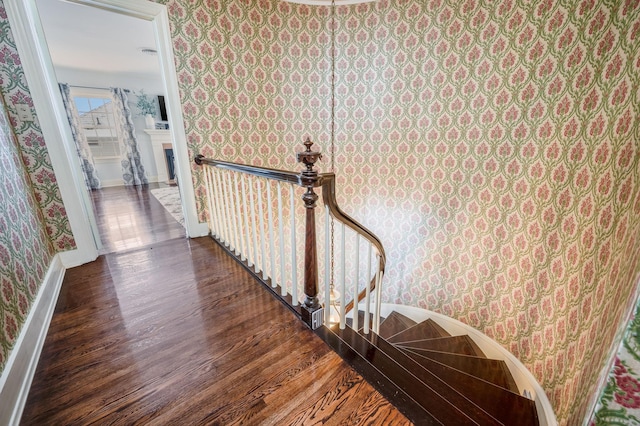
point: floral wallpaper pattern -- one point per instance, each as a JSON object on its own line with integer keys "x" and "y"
{"x": 25, "y": 250}
{"x": 620, "y": 402}
{"x": 252, "y": 82}
{"x": 32, "y": 145}
{"x": 491, "y": 145}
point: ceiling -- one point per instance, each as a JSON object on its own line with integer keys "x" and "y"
{"x": 91, "y": 39}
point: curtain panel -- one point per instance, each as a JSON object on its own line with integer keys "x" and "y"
{"x": 82, "y": 146}
{"x": 133, "y": 172}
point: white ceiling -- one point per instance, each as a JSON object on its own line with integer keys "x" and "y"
{"x": 91, "y": 39}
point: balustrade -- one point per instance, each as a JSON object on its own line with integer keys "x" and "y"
{"x": 255, "y": 227}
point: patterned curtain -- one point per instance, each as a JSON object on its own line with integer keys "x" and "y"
{"x": 82, "y": 146}
{"x": 132, "y": 169}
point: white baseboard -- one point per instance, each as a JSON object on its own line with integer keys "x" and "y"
{"x": 21, "y": 366}
{"x": 73, "y": 258}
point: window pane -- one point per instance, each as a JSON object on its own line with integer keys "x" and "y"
{"x": 82, "y": 104}
{"x": 97, "y": 120}
{"x": 96, "y": 103}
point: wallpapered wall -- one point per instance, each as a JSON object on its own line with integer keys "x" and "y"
{"x": 28, "y": 193}
{"x": 25, "y": 250}
{"x": 32, "y": 146}
{"x": 492, "y": 146}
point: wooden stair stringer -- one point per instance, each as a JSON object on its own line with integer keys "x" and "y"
{"x": 490, "y": 370}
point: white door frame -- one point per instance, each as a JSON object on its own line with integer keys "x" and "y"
{"x": 39, "y": 72}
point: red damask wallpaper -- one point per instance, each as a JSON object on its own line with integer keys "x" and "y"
{"x": 25, "y": 250}
{"x": 33, "y": 151}
{"x": 492, "y": 146}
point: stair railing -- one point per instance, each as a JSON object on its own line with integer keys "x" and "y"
{"x": 262, "y": 232}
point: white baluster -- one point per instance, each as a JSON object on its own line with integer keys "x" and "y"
{"x": 253, "y": 227}
{"x": 228, "y": 200}
{"x": 272, "y": 249}
{"x": 262, "y": 236}
{"x": 222, "y": 209}
{"x": 214, "y": 203}
{"x": 367, "y": 308}
{"x": 327, "y": 266}
{"x": 238, "y": 215}
{"x": 356, "y": 281}
{"x": 247, "y": 231}
{"x": 283, "y": 281}
{"x": 232, "y": 213}
{"x": 343, "y": 272}
{"x": 209, "y": 188}
{"x": 294, "y": 262}
{"x": 376, "y": 324}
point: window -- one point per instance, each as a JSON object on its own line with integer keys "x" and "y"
{"x": 98, "y": 121}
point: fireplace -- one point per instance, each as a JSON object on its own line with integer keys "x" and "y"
{"x": 163, "y": 154}
{"x": 168, "y": 155}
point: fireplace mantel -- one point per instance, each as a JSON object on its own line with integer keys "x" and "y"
{"x": 161, "y": 140}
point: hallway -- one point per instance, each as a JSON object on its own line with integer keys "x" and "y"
{"x": 170, "y": 330}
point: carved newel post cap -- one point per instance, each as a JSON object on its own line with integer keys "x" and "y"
{"x": 308, "y": 157}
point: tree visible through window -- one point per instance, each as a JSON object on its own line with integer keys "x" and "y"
{"x": 98, "y": 121}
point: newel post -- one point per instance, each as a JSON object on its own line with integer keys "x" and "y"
{"x": 309, "y": 179}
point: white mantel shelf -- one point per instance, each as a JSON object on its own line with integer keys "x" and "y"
{"x": 160, "y": 140}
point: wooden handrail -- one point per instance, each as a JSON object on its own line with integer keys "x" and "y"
{"x": 329, "y": 198}
{"x": 267, "y": 173}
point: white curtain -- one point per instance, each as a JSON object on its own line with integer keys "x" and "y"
{"x": 132, "y": 169}
{"x": 82, "y": 146}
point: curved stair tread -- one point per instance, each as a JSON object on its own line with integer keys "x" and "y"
{"x": 491, "y": 370}
{"x": 508, "y": 407}
{"x": 428, "y": 329}
{"x": 462, "y": 345}
{"x": 395, "y": 323}
{"x": 421, "y": 384}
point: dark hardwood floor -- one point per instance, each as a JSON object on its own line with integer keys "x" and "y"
{"x": 177, "y": 333}
{"x": 131, "y": 217}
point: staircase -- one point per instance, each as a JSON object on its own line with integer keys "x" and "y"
{"x": 432, "y": 376}
{"x": 434, "y": 369}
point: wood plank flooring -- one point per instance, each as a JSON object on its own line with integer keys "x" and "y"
{"x": 177, "y": 333}
{"x": 130, "y": 217}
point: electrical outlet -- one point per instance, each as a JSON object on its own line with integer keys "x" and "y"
{"x": 24, "y": 112}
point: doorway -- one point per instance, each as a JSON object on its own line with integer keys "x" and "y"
{"x": 24, "y": 18}
{"x": 93, "y": 50}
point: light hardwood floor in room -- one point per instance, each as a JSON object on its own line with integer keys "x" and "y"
{"x": 177, "y": 333}
{"x": 131, "y": 217}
